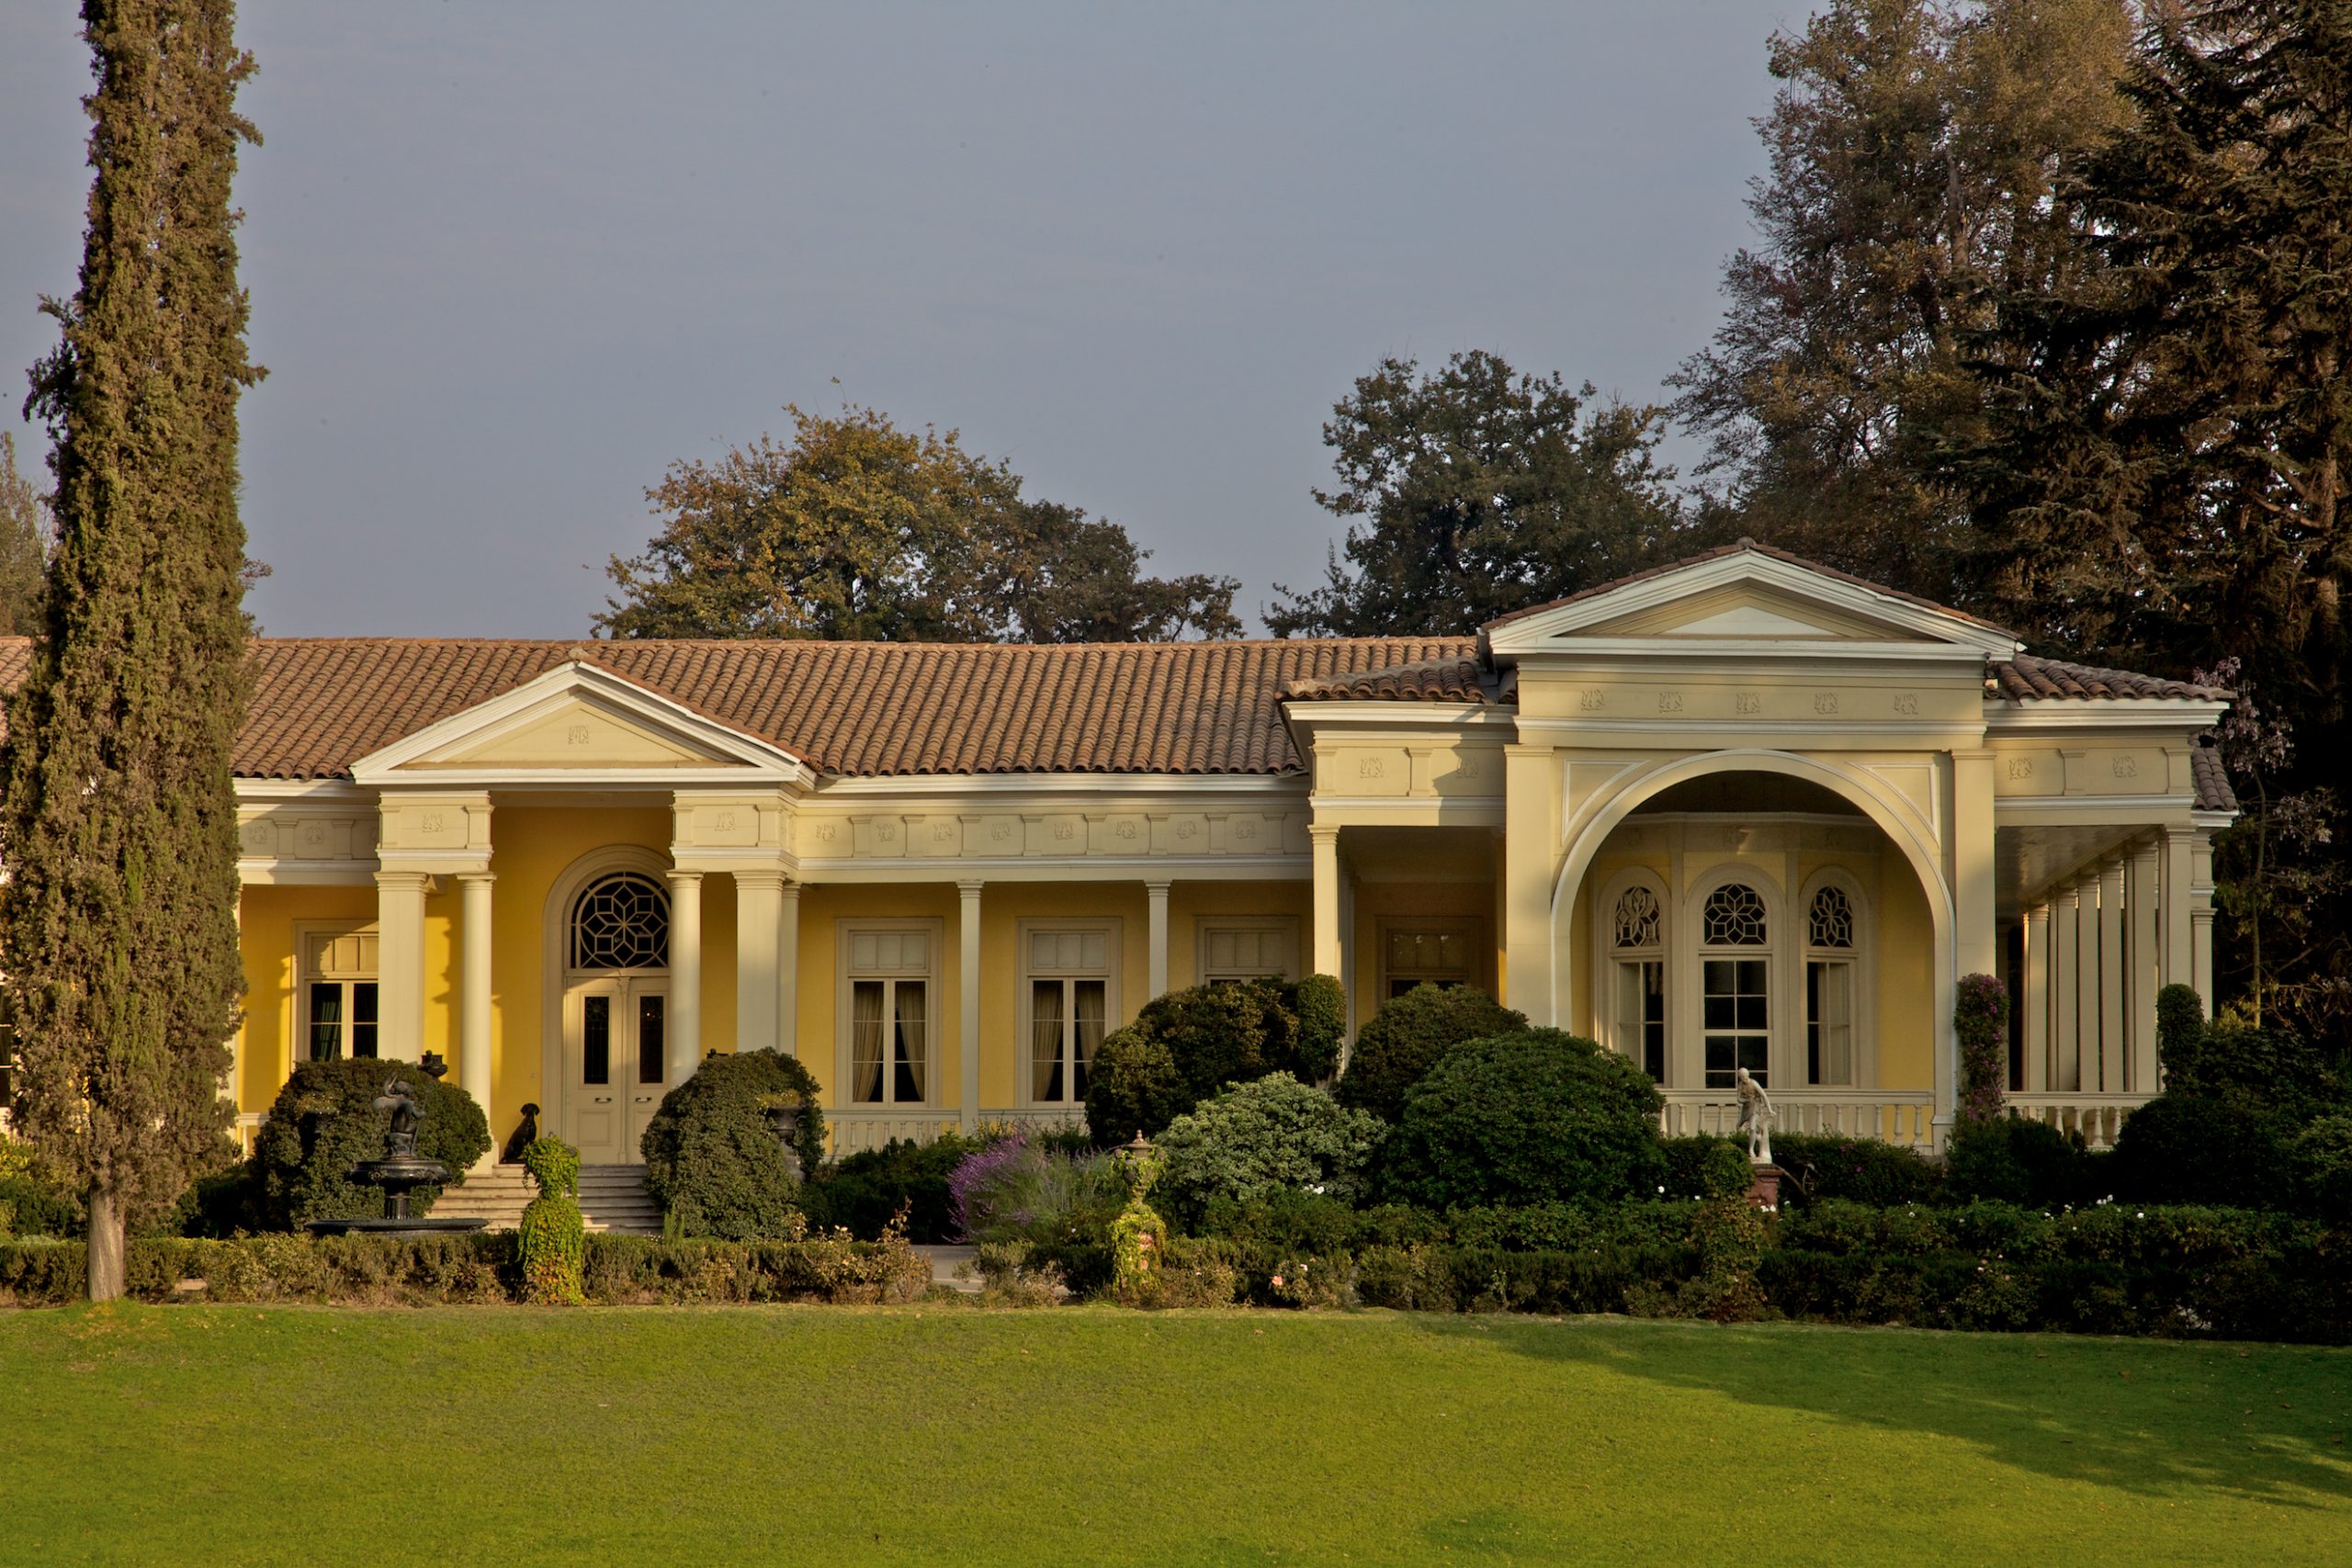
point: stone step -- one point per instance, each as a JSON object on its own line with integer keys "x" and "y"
{"x": 612, "y": 1198}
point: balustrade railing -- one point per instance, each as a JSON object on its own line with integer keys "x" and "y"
{"x": 2098, "y": 1117}
{"x": 1891, "y": 1116}
{"x": 856, "y": 1129}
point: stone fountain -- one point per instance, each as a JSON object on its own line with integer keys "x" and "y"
{"x": 399, "y": 1173}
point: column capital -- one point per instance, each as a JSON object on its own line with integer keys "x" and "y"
{"x": 682, "y": 878}
{"x": 762, "y": 878}
{"x": 1324, "y": 832}
{"x": 1158, "y": 887}
{"x": 404, "y": 881}
{"x": 479, "y": 878}
{"x": 970, "y": 887}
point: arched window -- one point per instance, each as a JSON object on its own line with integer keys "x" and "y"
{"x": 1832, "y": 972}
{"x": 1734, "y": 995}
{"x": 1637, "y": 960}
{"x": 621, "y": 921}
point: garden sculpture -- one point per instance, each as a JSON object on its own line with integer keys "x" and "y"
{"x": 400, "y": 1142}
{"x": 1755, "y": 1118}
{"x": 526, "y": 1134}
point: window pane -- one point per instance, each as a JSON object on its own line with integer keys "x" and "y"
{"x": 649, "y": 1019}
{"x": 1829, "y": 1022}
{"x": 865, "y": 1041}
{"x": 326, "y": 1020}
{"x": 1737, "y": 1013}
{"x": 1654, "y": 1020}
{"x": 622, "y": 922}
{"x": 1045, "y": 1039}
{"x": 596, "y": 1040}
{"x": 1093, "y": 1018}
{"x": 908, "y": 1064}
{"x": 363, "y": 1017}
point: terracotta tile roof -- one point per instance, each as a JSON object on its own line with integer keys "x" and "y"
{"x": 860, "y": 709}
{"x": 2212, "y": 780}
{"x": 2028, "y": 678}
{"x": 1752, "y": 548}
{"x": 1454, "y": 678}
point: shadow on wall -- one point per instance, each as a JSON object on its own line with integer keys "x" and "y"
{"x": 2151, "y": 1417}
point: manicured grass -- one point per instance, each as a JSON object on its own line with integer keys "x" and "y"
{"x": 226, "y": 1435}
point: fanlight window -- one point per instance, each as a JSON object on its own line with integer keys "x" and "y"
{"x": 1733, "y": 917}
{"x": 621, "y": 922}
{"x": 1637, "y": 917}
{"x": 1833, "y": 919}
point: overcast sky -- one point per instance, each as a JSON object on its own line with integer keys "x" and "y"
{"x": 510, "y": 260}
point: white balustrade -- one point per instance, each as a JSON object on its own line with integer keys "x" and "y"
{"x": 856, "y": 1129}
{"x": 2098, "y": 1117}
{"x": 1892, "y": 1116}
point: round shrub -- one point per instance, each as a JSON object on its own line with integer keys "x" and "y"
{"x": 1404, "y": 1040}
{"x": 2203, "y": 1148}
{"x": 1186, "y": 1045}
{"x": 324, "y": 1122}
{"x": 1707, "y": 1167}
{"x": 1527, "y": 1118}
{"x": 1257, "y": 1139}
{"x": 2013, "y": 1160}
{"x": 712, "y": 1158}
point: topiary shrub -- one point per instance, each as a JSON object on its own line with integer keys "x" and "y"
{"x": 1707, "y": 1167}
{"x": 1254, "y": 1140}
{"x": 2204, "y": 1148}
{"x": 2012, "y": 1160}
{"x": 2180, "y": 1023}
{"x": 552, "y": 1240}
{"x": 1864, "y": 1170}
{"x": 713, "y": 1159}
{"x": 1186, "y": 1045}
{"x": 1138, "y": 1236}
{"x": 1406, "y": 1037}
{"x": 1526, "y": 1118}
{"x": 1980, "y": 1020}
{"x": 324, "y": 1122}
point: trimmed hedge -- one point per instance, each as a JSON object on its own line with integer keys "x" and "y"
{"x": 1187, "y": 1045}
{"x": 324, "y": 1120}
{"x": 712, "y": 1159}
{"x": 1400, "y": 1044}
{"x": 1864, "y": 1170}
{"x": 479, "y": 1268}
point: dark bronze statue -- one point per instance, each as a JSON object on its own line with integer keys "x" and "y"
{"x": 524, "y": 1136}
{"x": 398, "y": 1097}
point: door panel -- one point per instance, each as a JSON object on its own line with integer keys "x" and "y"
{"x": 615, "y": 1034}
{"x": 649, "y": 1015}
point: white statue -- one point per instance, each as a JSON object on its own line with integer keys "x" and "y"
{"x": 1755, "y": 1118}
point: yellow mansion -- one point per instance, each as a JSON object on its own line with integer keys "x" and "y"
{"x": 1739, "y": 811}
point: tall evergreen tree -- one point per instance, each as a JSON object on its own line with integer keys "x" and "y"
{"x": 25, "y": 531}
{"x": 119, "y": 820}
{"x": 1483, "y": 491}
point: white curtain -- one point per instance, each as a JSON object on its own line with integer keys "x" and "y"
{"x": 1045, "y": 1039}
{"x": 865, "y": 1041}
{"x": 910, "y": 998}
{"x": 1833, "y": 1002}
{"x": 1093, "y": 1009}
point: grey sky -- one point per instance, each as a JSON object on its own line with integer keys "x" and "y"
{"x": 509, "y": 260}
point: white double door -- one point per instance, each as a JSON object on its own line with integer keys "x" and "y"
{"x": 616, "y": 1037}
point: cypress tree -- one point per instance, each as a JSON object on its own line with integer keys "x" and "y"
{"x": 120, "y": 819}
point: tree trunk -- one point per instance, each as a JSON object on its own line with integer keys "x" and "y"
{"x": 106, "y": 1247}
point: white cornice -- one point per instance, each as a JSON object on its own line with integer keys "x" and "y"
{"x": 2173, "y": 715}
{"x": 1175, "y": 786}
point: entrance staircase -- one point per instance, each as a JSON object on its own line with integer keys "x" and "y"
{"x": 612, "y": 1198}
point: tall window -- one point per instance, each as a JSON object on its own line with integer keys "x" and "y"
{"x": 1070, "y": 1008}
{"x": 1735, "y": 998}
{"x": 1438, "y": 952}
{"x": 1829, "y": 987}
{"x": 889, "y": 1017}
{"x": 621, "y": 922}
{"x": 1638, "y": 954}
{"x": 339, "y": 996}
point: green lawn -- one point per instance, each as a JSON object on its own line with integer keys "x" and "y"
{"x": 226, "y": 1435}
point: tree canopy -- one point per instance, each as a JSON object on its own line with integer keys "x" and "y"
{"x": 25, "y": 533}
{"x": 860, "y": 530}
{"x": 1483, "y": 490}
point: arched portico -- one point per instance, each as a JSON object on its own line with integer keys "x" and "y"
{"x": 1896, "y": 817}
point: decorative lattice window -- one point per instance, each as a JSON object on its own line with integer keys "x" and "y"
{"x": 1833, "y": 919}
{"x": 1733, "y": 917}
{"x": 621, "y": 922}
{"x": 1637, "y": 917}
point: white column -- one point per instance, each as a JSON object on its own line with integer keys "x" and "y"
{"x": 1157, "y": 892}
{"x": 400, "y": 963}
{"x": 1326, "y": 842}
{"x": 2139, "y": 944}
{"x": 2086, "y": 981}
{"x": 2113, "y": 976}
{"x": 2036, "y": 996}
{"x": 2200, "y": 917}
{"x": 759, "y": 907}
{"x": 787, "y": 969}
{"x": 473, "y": 990}
{"x": 685, "y": 974}
{"x": 967, "y": 1003}
{"x": 2179, "y": 963}
{"x": 2065, "y": 988}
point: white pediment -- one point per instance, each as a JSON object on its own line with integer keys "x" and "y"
{"x": 577, "y": 723}
{"x": 1745, "y": 600}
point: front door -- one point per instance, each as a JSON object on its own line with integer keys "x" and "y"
{"x": 615, "y": 1035}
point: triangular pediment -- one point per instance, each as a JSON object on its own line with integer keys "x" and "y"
{"x": 575, "y": 722}
{"x": 1743, "y": 599}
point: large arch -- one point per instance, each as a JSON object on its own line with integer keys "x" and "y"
{"x": 1866, "y": 795}
{"x": 555, "y": 957}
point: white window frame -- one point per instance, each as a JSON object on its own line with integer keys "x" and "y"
{"x": 307, "y": 933}
{"x": 1283, "y": 929}
{"x": 1687, "y": 1056}
{"x": 1471, "y": 926}
{"x": 1109, "y": 929}
{"x": 845, "y": 929}
{"x": 1860, "y": 956}
{"x": 1607, "y": 955}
